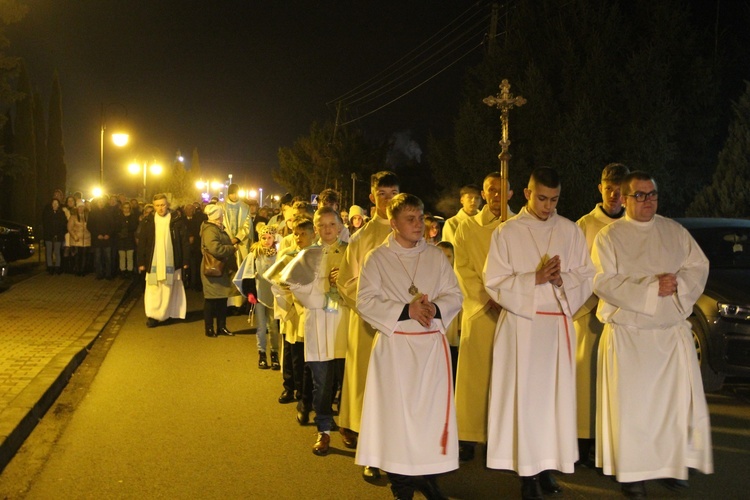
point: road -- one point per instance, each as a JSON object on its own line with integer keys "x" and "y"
{"x": 170, "y": 413}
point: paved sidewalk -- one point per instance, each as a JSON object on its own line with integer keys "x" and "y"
{"x": 48, "y": 324}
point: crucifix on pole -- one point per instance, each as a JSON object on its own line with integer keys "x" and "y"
{"x": 504, "y": 101}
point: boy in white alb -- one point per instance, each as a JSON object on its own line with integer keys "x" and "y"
{"x": 408, "y": 292}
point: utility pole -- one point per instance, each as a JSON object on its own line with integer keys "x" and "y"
{"x": 504, "y": 101}
{"x": 492, "y": 42}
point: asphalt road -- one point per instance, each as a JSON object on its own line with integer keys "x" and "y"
{"x": 170, "y": 413}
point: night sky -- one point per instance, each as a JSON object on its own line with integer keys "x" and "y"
{"x": 236, "y": 79}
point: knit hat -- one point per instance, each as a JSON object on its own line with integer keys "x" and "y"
{"x": 356, "y": 210}
{"x": 266, "y": 229}
{"x": 213, "y": 212}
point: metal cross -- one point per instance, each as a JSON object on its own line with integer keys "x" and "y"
{"x": 504, "y": 101}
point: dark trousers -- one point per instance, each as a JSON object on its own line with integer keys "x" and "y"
{"x": 321, "y": 373}
{"x": 404, "y": 486}
{"x": 193, "y": 278}
{"x": 215, "y": 308}
{"x": 294, "y": 366}
{"x": 103, "y": 262}
{"x": 81, "y": 260}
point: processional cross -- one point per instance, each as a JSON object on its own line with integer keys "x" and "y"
{"x": 504, "y": 101}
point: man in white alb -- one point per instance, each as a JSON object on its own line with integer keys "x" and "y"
{"x": 539, "y": 270}
{"x": 652, "y": 417}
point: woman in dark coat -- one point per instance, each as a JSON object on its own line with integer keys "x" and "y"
{"x": 55, "y": 225}
{"x": 216, "y": 290}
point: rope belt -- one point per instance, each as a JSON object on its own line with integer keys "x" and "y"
{"x": 446, "y": 352}
{"x": 567, "y": 333}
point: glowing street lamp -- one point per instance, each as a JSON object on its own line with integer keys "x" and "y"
{"x": 154, "y": 168}
{"x": 119, "y": 139}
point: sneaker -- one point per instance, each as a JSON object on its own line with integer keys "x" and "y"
{"x": 262, "y": 361}
{"x": 275, "y": 361}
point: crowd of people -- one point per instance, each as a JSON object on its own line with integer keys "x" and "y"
{"x": 552, "y": 343}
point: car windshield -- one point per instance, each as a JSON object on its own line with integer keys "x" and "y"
{"x": 725, "y": 247}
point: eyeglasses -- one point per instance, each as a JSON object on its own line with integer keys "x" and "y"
{"x": 641, "y": 197}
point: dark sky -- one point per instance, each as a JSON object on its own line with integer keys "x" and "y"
{"x": 236, "y": 79}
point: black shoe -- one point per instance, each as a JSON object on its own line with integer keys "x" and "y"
{"x": 275, "y": 361}
{"x": 429, "y": 487}
{"x": 635, "y": 490}
{"x": 548, "y": 483}
{"x": 262, "y": 361}
{"x": 287, "y": 396}
{"x": 370, "y": 473}
{"x": 675, "y": 484}
{"x": 150, "y": 322}
{"x": 466, "y": 451}
{"x": 223, "y": 331}
{"x": 303, "y": 416}
{"x": 298, "y": 395}
{"x": 531, "y": 489}
{"x": 210, "y": 332}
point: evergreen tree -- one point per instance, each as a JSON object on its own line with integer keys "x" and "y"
{"x": 56, "y": 168}
{"x": 43, "y": 190}
{"x": 23, "y": 193}
{"x": 728, "y": 195}
{"x": 195, "y": 166}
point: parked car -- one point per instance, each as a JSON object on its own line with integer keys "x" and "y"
{"x": 16, "y": 241}
{"x": 721, "y": 317}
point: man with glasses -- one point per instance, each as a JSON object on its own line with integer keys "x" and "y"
{"x": 588, "y": 327}
{"x": 652, "y": 416}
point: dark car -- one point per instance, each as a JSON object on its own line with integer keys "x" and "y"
{"x": 16, "y": 241}
{"x": 721, "y": 317}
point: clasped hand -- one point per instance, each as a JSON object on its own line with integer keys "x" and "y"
{"x": 422, "y": 310}
{"x": 667, "y": 284}
{"x": 550, "y": 272}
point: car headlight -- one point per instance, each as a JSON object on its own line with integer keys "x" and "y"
{"x": 734, "y": 311}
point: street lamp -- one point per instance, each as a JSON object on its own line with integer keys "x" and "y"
{"x": 135, "y": 168}
{"x": 119, "y": 139}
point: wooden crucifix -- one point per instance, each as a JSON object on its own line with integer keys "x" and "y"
{"x": 504, "y": 101}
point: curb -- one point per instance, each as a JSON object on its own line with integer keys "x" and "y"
{"x": 36, "y": 399}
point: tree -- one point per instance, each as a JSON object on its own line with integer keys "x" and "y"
{"x": 56, "y": 167}
{"x": 728, "y": 195}
{"x": 317, "y": 161}
{"x": 624, "y": 81}
{"x": 23, "y": 193}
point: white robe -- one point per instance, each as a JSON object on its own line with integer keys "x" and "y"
{"x": 361, "y": 335}
{"x": 164, "y": 295}
{"x": 652, "y": 417}
{"x": 588, "y": 332}
{"x": 532, "y": 405}
{"x": 478, "y": 321}
{"x": 238, "y": 227}
{"x": 408, "y": 417}
{"x": 450, "y": 226}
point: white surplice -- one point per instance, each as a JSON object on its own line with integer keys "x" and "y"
{"x": 588, "y": 332}
{"x": 652, "y": 417}
{"x": 532, "y": 405}
{"x": 361, "y": 335}
{"x": 408, "y": 417}
{"x": 478, "y": 321}
{"x": 164, "y": 294}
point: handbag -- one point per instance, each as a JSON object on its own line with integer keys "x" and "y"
{"x": 211, "y": 266}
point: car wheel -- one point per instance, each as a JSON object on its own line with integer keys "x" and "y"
{"x": 712, "y": 381}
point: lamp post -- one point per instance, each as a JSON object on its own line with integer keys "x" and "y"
{"x": 119, "y": 139}
{"x": 136, "y": 168}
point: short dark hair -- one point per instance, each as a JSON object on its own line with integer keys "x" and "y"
{"x": 328, "y": 210}
{"x": 329, "y": 197}
{"x": 614, "y": 173}
{"x": 304, "y": 223}
{"x": 636, "y": 175}
{"x": 384, "y": 178}
{"x": 402, "y": 201}
{"x": 545, "y": 176}
{"x": 303, "y": 205}
{"x": 470, "y": 189}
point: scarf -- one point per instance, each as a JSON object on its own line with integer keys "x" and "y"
{"x": 162, "y": 265}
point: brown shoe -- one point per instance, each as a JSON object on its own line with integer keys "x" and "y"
{"x": 349, "y": 437}
{"x": 321, "y": 445}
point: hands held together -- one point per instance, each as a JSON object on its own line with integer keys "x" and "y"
{"x": 550, "y": 272}
{"x": 422, "y": 310}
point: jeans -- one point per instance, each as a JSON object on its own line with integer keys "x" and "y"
{"x": 322, "y": 396}
{"x": 103, "y": 262}
{"x": 265, "y": 323}
{"x": 53, "y": 253}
